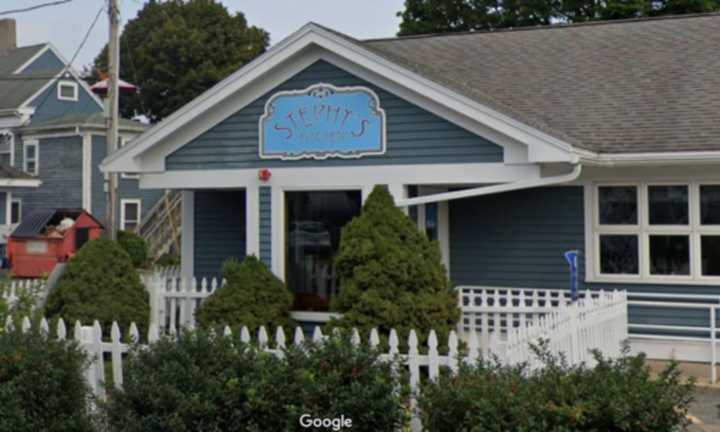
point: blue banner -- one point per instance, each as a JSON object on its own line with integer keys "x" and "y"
{"x": 322, "y": 121}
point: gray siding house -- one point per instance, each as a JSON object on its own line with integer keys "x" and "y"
{"x": 510, "y": 148}
{"x": 52, "y": 132}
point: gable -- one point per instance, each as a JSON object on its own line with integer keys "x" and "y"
{"x": 47, "y": 61}
{"x": 414, "y": 135}
{"x": 48, "y": 105}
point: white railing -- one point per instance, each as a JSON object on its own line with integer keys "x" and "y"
{"x": 13, "y": 290}
{"x": 484, "y": 306}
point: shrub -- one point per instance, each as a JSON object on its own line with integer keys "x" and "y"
{"x": 615, "y": 395}
{"x": 100, "y": 283}
{"x": 391, "y": 275}
{"x": 251, "y": 296}
{"x": 207, "y": 382}
{"x": 42, "y": 387}
{"x": 135, "y": 246}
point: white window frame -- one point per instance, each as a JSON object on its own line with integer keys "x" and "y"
{"x": 19, "y": 202}
{"x": 76, "y": 90}
{"x": 693, "y": 230}
{"x": 12, "y": 145}
{"x": 126, "y": 176}
{"x": 123, "y": 203}
{"x": 26, "y": 145}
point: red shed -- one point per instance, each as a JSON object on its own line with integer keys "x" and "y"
{"x": 46, "y": 238}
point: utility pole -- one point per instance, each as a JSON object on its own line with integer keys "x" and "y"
{"x": 111, "y": 113}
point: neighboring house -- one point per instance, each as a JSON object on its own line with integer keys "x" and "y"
{"x": 52, "y": 129}
{"x": 508, "y": 147}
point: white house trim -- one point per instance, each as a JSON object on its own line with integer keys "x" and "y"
{"x": 125, "y": 201}
{"x": 67, "y": 83}
{"x": 252, "y": 220}
{"x": 87, "y": 172}
{"x": 542, "y": 147}
{"x": 32, "y": 59}
{"x": 8, "y": 207}
{"x": 461, "y": 174}
{"x": 27, "y": 144}
{"x": 20, "y": 183}
{"x": 187, "y": 253}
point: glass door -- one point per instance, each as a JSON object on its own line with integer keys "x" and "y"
{"x": 313, "y": 223}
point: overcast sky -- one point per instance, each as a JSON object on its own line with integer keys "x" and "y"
{"x": 66, "y": 24}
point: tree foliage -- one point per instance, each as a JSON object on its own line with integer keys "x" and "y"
{"x": 176, "y": 49}
{"x": 135, "y": 246}
{"x": 251, "y": 296}
{"x": 442, "y": 16}
{"x": 100, "y": 283}
{"x": 391, "y": 275}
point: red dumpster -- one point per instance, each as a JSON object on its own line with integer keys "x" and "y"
{"x": 45, "y": 238}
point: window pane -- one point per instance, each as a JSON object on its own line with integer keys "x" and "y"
{"x": 710, "y": 205}
{"x": 67, "y": 91}
{"x": 30, "y": 152}
{"x": 618, "y": 205}
{"x": 30, "y": 167}
{"x": 669, "y": 255}
{"x": 619, "y": 254}
{"x": 6, "y": 140}
{"x": 710, "y": 255}
{"x": 5, "y": 159}
{"x": 15, "y": 212}
{"x": 131, "y": 212}
{"x": 668, "y": 205}
{"x": 431, "y": 221}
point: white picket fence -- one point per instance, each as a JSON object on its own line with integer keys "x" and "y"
{"x": 11, "y": 291}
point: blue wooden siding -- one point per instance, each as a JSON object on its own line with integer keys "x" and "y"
{"x": 47, "y": 105}
{"x": 60, "y": 170}
{"x": 265, "y": 198}
{"x": 127, "y": 188}
{"x": 517, "y": 239}
{"x": 219, "y": 230}
{"x": 3, "y": 208}
{"x": 47, "y": 61}
{"x": 414, "y": 136}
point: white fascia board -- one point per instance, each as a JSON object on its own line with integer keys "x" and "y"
{"x": 549, "y": 149}
{"x": 355, "y": 176}
{"x": 67, "y": 69}
{"x": 654, "y": 158}
{"x": 20, "y": 183}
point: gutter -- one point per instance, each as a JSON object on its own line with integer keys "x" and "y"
{"x": 488, "y": 190}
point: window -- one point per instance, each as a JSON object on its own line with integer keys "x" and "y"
{"x": 7, "y": 148}
{"x": 67, "y": 91}
{"x": 121, "y": 142}
{"x": 657, "y": 232}
{"x": 15, "y": 210}
{"x": 30, "y": 157}
{"x": 129, "y": 214}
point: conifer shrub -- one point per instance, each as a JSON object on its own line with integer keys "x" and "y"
{"x": 391, "y": 275}
{"x": 209, "y": 382}
{"x": 42, "y": 387}
{"x": 251, "y": 296}
{"x": 135, "y": 246}
{"x": 100, "y": 283}
{"x": 613, "y": 395}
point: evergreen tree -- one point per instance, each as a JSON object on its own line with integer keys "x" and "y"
{"x": 391, "y": 275}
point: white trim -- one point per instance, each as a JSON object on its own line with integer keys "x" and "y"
{"x": 20, "y": 183}
{"x": 314, "y": 317}
{"x": 187, "y": 253}
{"x": 12, "y": 145}
{"x": 653, "y": 158}
{"x": 32, "y": 59}
{"x": 66, "y": 83}
{"x": 26, "y": 145}
{"x": 268, "y": 111}
{"x": 12, "y": 201}
{"x": 444, "y": 233}
{"x": 252, "y": 220}
{"x": 124, "y": 175}
{"x": 87, "y": 172}
{"x": 643, "y": 230}
{"x": 123, "y": 203}
{"x": 68, "y": 69}
{"x": 539, "y": 143}
{"x": 428, "y": 174}
{"x": 8, "y": 206}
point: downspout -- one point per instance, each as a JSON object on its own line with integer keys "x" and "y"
{"x": 488, "y": 190}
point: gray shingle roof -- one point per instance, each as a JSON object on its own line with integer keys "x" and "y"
{"x": 8, "y": 172}
{"x": 82, "y": 120}
{"x": 16, "y": 89}
{"x": 612, "y": 87}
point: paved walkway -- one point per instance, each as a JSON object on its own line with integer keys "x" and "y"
{"x": 705, "y": 410}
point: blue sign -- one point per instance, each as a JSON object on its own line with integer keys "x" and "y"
{"x": 322, "y": 121}
{"x": 571, "y": 258}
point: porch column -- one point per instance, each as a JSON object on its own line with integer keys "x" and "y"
{"x": 252, "y": 221}
{"x": 398, "y": 192}
{"x": 187, "y": 248}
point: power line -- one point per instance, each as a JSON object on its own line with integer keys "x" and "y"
{"x": 31, "y": 8}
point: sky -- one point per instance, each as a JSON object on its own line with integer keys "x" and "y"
{"x": 66, "y": 24}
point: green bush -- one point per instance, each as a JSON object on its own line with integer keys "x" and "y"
{"x": 614, "y": 395}
{"x": 135, "y": 246}
{"x": 391, "y": 275}
{"x": 213, "y": 383}
{"x": 252, "y": 296}
{"x": 42, "y": 387}
{"x": 100, "y": 283}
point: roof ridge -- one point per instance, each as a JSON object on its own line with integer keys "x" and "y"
{"x": 560, "y": 26}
